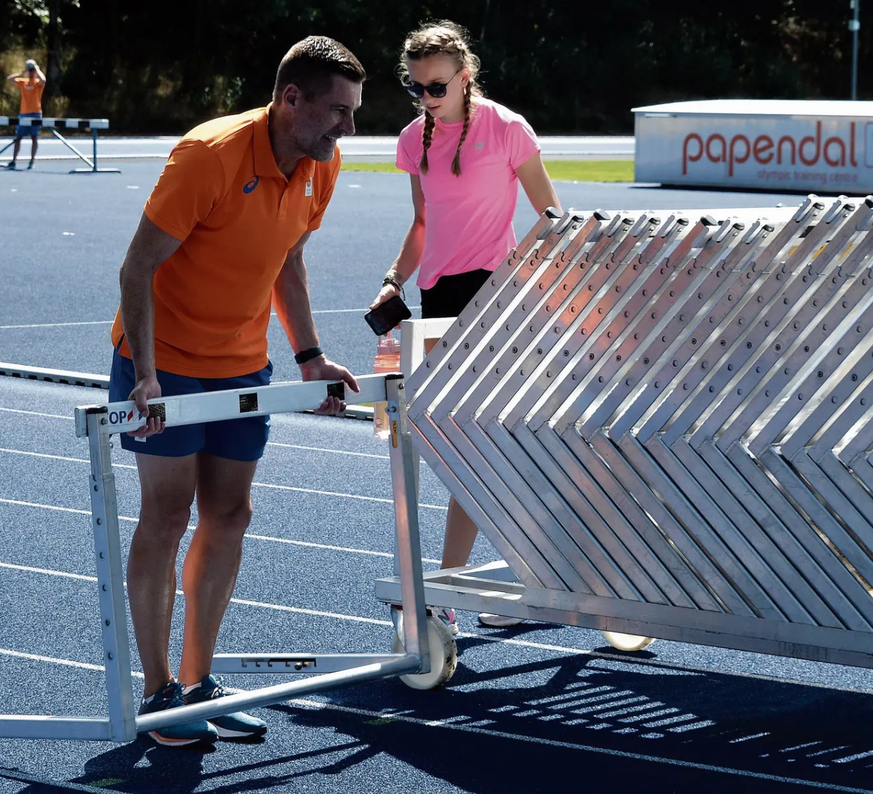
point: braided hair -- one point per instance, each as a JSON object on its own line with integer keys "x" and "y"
{"x": 445, "y": 38}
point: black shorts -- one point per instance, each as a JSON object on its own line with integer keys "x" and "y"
{"x": 449, "y": 296}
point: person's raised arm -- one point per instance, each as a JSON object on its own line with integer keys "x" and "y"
{"x": 537, "y": 185}
{"x": 411, "y": 251}
{"x": 13, "y": 77}
{"x": 39, "y": 74}
{"x": 291, "y": 301}
{"x": 148, "y": 250}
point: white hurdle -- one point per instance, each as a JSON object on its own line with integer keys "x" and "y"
{"x": 52, "y": 125}
{"x": 98, "y": 423}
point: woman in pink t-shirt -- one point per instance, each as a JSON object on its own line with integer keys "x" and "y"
{"x": 465, "y": 156}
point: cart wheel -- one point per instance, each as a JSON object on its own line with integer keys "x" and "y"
{"x": 627, "y": 642}
{"x": 443, "y": 656}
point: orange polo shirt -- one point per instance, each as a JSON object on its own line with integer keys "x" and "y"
{"x": 222, "y": 194}
{"x": 31, "y": 95}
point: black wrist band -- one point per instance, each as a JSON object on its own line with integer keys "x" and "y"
{"x": 392, "y": 281}
{"x": 307, "y": 355}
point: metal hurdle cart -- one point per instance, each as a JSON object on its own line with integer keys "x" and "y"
{"x": 322, "y": 671}
{"x": 663, "y": 423}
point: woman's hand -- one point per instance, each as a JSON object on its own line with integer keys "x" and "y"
{"x": 386, "y": 293}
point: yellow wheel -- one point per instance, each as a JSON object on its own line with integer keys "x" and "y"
{"x": 443, "y": 655}
{"x": 627, "y": 642}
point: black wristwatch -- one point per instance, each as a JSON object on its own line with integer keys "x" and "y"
{"x": 307, "y": 355}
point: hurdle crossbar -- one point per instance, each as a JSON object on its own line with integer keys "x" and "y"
{"x": 98, "y": 423}
{"x": 52, "y": 125}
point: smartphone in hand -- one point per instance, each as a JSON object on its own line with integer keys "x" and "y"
{"x": 387, "y": 315}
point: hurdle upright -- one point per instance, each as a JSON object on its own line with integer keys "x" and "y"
{"x": 98, "y": 423}
{"x": 52, "y": 124}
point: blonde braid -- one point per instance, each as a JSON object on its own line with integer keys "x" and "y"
{"x": 456, "y": 163}
{"x": 426, "y": 140}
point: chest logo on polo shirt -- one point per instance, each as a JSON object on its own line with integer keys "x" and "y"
{"x": 479, "y": 145}
{"x": 249, "y": 186}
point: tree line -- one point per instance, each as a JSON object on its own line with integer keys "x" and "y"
{"x": 570, "y": 67}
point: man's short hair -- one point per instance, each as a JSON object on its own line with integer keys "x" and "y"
{"x": 312, "y": 63}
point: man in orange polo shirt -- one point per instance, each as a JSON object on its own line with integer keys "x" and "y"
{"x": 31, "y": 84}
{"x": 220, "y": 241}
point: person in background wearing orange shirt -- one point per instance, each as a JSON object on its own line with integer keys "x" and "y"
{"x": 220, "y": 241}
{"x": 31, "y": 83}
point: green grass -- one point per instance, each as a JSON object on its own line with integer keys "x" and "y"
{"x": 560, "y": 170}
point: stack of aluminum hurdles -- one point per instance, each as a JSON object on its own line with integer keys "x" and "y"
{"x": 662, "y": 422}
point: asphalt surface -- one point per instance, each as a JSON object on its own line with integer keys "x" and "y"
{"x": 533, "y": 708}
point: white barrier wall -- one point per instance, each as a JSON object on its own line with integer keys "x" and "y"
{"x": 809, "y": 146}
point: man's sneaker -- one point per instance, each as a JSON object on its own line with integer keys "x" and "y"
{"x": 10, "y": 166}
{"x": 30, "y": 165}
{"x": 231, "y": 726}
{"x": 194, "y": 732}
{"x": 448, "y": 617}
{"x": 498, "y": 621}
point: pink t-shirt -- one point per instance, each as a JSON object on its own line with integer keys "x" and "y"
{"x": 468, "y": 222}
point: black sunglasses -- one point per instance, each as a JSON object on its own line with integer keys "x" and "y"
{"x": 436, "y": 90}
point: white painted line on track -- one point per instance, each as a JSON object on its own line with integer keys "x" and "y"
{"x": 272, "y": 486}
{"x": 33, "y": 657}
{"x": 49, "y": 783}
{"x": 109, "y": 322}
{"x": 54, "y": 325}
{"x": 248, "y": 535}
{"x": 324, "y": 449}
{"x": 36, "y": 413}
{"x": 317, "y": 705}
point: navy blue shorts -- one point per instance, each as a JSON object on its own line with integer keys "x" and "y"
{"x": 235, "y": 439}
{"x": 23, "y": 130}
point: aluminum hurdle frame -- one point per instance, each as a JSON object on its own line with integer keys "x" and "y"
{"x": 664, "y": 424}
{"x": 51, "y": 125}
{"x": 98, "y": 423}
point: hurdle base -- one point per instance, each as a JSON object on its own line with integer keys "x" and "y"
{"x": 491, "y": 588}
{"x": 95, "y": 171}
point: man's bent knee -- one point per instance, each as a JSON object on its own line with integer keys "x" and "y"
{"x": 163, "y": 523}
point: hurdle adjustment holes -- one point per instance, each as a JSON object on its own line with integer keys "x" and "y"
{"x": 466, "y": 345}
{"x": 820, "y": 374}
{"x": 515, "y": 350}
{"x": 104, "y": 588}
{"x": 98, "y": 521}
{"x": 107, "y": 622}
{"x": 854, "y": 377}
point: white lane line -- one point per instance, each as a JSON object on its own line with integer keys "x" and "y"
{"x": 36, "y": 413}
{"x": 319, "y": 613}
{"x": 323, "y": 449}
{"x": 109, "y": 322}
{"x": 54, "y": 325}
{"x": 48, "y": 572}
{"x": 272, "y": 486}
{"x": 33, "y": 657}
{"x": 318, "y": 705}
{"x": 249, "y": 535}
{"x": 269, "y": 443}
{"x": 44, "y": 781}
